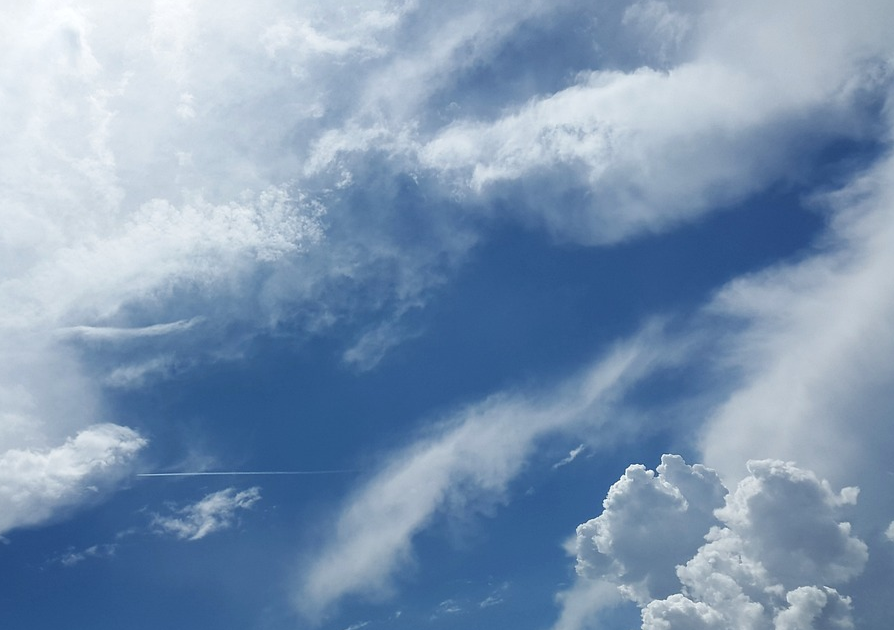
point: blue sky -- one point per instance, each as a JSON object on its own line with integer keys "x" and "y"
{"x": 570, "y": 315}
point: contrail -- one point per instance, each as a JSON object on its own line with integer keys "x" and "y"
{"x": 246, "y": 472}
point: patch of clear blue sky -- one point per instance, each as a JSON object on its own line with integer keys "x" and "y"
{"x": 521, "y": 309}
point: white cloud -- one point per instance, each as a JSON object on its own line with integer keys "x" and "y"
{"x": 496, "y": 598}
{"x": 392, "y": 102}
{"x": 147, "y": 185}
{"x": 767, "y": 558}
{"x": 160, "y": 247}
{"x": 650, "y": 523}
{"x": 816, "y": 352}
{"x": 216, "y": 511}
{"x": 814, "y": 607}
{"x": 447, "y": 607}
{"x": 35, "y": 484}
{"x": 584, "y": 601}
{"x": 467, "y": 460}
{"x": 572, "y": 455}
{"x": 110, "y": 333}
{"x": 640, "y": 151}
{"x": 810, "y": 373}
{"x": 373, "y": 345}
{"x": 788, "y": 520}
{"x": 72, "y": 558}
{"x": 174, "y": 168}
{"x": 137, "y": 374}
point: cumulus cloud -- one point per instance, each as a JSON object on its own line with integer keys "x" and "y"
{"x": 650, "y": 523}
{"x": 467, "y": 460}
{"x": 216, "y": 511}
{"x": 37, "y": 483}
{"x": 767, "y": 555}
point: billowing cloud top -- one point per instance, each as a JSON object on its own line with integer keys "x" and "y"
{"x": 768, "y": 556}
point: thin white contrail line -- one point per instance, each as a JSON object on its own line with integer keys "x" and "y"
{"x": 246, "y": 472}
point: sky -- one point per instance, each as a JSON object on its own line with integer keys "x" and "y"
{"x": 391, "y": 314}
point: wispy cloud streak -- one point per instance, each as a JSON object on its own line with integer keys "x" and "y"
{"x": 467, "y": 460}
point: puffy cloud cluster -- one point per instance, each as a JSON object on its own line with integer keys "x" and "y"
{"x": 35, "y": 484}
{"x": 765, "y": 556}
{"x": 649, "y": 525}
{"x": 214, "y": 512}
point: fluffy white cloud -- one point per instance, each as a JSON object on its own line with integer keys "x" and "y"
{"x": 765, "y": 557}
{"x": 813, "y": 608}
{"x": 787, "y": 518}
{"x": 35, "y": 484}
{"x": 214, "y": 512}
{"x": 650, "y": 524}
